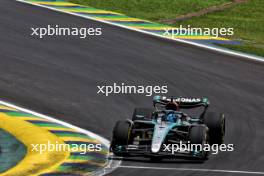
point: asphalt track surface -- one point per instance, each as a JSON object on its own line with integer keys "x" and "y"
{"x": 58, "y": 77}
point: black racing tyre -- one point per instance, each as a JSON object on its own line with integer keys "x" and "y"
{"x": 121, "y": 133}
{"x": 199, "y": 135}
{"x": 121, "y": 136}
{"x": 142, "y": 114}
{"x": 216, "y": 124}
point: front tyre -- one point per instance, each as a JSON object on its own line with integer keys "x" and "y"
{"x": 199, "y": 135}
{"x": 121, "y": 137}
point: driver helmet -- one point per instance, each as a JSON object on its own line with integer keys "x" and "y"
{"x": 171, "y": 118}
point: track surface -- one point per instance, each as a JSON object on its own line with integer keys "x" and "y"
{"x": 58, "y": 77}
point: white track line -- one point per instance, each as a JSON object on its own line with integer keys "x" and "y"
{"x": 221, "y": 50}
{"x": 193, "y": 169}
{"x": 93, "y": 135}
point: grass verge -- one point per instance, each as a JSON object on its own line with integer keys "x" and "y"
{"x": 247, "y": 19}
{"x": 153, "y": 10}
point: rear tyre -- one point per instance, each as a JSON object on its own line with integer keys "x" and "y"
{"x": 121, "y": 137}
{"x": 216, "y": 124}
{"x": 199, "y": 135}
{"x": 142, "y": 114}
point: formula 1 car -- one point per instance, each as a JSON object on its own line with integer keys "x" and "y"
{"x": 155, "y": 133}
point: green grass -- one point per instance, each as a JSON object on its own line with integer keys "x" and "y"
{"x": 153, "y": 10}
{"x": 247, "y": 19}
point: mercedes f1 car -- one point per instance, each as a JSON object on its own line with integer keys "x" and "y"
{"x": 155, "y": 133}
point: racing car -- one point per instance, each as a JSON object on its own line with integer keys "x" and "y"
{"x": 155, "y": 132}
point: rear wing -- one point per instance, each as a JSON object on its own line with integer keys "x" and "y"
{"x": 184, "y": 102}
